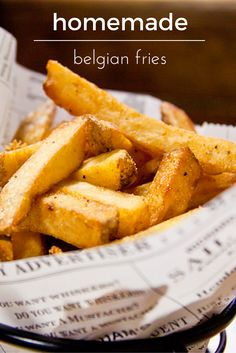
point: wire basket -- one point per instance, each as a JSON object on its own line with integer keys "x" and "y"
{"x": 174, "y": 343}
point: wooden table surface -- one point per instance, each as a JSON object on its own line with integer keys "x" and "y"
{"x": 199, "y": 77}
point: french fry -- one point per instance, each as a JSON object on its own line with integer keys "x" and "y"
{"x": 113, "y": 170}
{"x": 103, "y": 137}
{"x": 54, "y": 250}
{"x": 133, "y": 211}
{"x": 148, "y": 170}
{"x": 139, "y": 156}
{"x": 140, "y": 190}
{"x": 77, "y": 221}
{"x": 36, "y": 126}
{"x": 11, "y": 161}
{"x": 15, "y": 145}
{"x": 6, "y": 253}
{"x": 79, "y": 96}
{"x": 58, "y": 156}
{"x": 171, "y": 190}
{"x": 158, "y": 228}
{"x": 209, "y": 186}
{"x": 172, "y": 115}
{"x": 27, "y": 244}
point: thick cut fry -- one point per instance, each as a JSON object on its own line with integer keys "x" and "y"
{"x": 6, "y": 253}
{"x": 79, "y": 96}
{"x": 113, "y": 170}
{"x": 11, "y": 161}
{"x": 101, "y": 137}
{"x": 139, "y": 156}
{"x": 158, "y": 228}
{"x": 58, "y": 156}
{"x": 27, "y": 244}
{"x": 209, "y": 186}
{"x": 172, "y": 115}
{"x": 148, "y": 170}
{"x": 14, "y": 145}
{"x": 140, "y": 190}
{"x": 36, "y": 126}
{"x": 133, "y": 211}
{"x": 77, "y": 221}
{"x": 104, "y": 136}
{"x": 172, "y": 188}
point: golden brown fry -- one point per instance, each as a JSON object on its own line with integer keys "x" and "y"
{"x": 37, "y": 124}
{"x": 209, "y": 186}
{"x": 54, "y": 250}
{"x": 103, "y": 136}
{"x": 11, "y": 161}
{"x": 79, "y": 96}
{"x": 158, "y": 228}
{"x": 113, "y": 170}
{"x": 148, "y": 170}
{"x": 77, "y": 221}
{"x": 27, "y": 244}
{"x": 6, "y": 253}
{"x": 58, "y": 156}
{"x": 140, "y": 190}
{"x": 171, "y": 190}
{"x": 15, "y": 145}
{"x": 172, "y": 115}
{"x": 139, "y": 156}
{"x": 133, "y": 211}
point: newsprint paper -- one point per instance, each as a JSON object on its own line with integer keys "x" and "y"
{"x": 145, "y": 288}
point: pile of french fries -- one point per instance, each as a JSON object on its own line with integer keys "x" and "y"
{"x": 110, "y": 173}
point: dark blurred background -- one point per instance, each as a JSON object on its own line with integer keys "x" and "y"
{"x": 199, "y": 77}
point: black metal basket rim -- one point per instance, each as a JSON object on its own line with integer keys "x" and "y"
{"x": 195, "y": 334}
